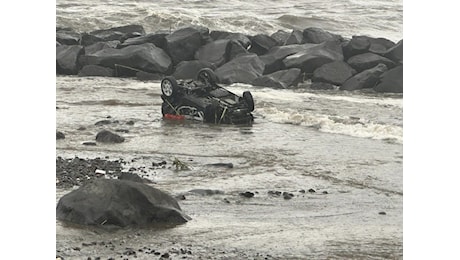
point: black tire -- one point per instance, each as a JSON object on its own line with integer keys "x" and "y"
{"x": 207, "y": 76}
{"x": 169, "y": 86}
{"x": 247, "y": 97}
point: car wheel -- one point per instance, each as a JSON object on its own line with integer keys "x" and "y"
{"x": 247, "y": 96}
{"x": 207, "y": 76}
{"x": 169, "y": 86}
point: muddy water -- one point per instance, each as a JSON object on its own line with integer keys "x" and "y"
{"x": 346, "y": 147}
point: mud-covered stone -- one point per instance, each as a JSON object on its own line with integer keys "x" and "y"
{"x": 105, "y": 136}
{"x": 121, "y": 203}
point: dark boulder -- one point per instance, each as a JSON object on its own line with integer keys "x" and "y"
{"x": 67, "y": 37}
{"x": 239, "y": 37}
{"x": 379, "y": 45}
{"x": 189, "y": 69}
{"x": 280, "y": 37}
{"x": 59, "y": 135}
{"x": 145, "y": 57}
{"x": 314, "y": 57}
{"x": 234, "y": 49}
{"x": 391, "y": 81}
{"x": 214, "y": 52}
{"x": 95, "y": 47}
{"x": 119, "y": 203}
{"x": 67, "y": 59}
{"x": 395, "y": 53}
{"x": 357, "y": 45}
{"x": 182, "y": 44}
{"x": 296, "y": 37}
{"x": 274, "y": 58}
{"x": 242, "y": 69}
{"x": 280, "y": 79}
{"x": 95, "y": 70}
{"x": 158, "y": 38}
{"x": 368, "y": 60}
{"x": 117, "y": 33}
{"x": 366, "y": 79}
{"x": 261, "y": 43}
{"x": 105, "y": 136}
{"x": 336, "y": 72}
{"x": 318, "y": 35}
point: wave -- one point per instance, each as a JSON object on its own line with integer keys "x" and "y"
{"x": 346, "y": 125}
{"x": 347, "y": 19}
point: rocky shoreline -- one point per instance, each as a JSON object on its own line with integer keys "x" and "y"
{"x": 282, "y": 60}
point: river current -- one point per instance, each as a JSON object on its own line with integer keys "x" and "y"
{"x": 347, "y": 146}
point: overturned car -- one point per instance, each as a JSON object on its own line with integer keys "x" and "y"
{"x": 203, "y": 99}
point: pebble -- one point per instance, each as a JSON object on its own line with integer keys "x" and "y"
{"x": 382, "y": 213}
{"x": 287, "y": 195}
{"x": 247, "y": 194}
{"x": 311, "y": 190}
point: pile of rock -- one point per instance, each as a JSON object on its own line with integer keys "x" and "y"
{"x": 280, "y": 60}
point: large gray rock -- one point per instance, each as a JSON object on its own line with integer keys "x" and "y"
{"x": 314, "y": 57}
{"x": 366, "y": 79}
{"x": 157, "y": 38}
{"x": 368, "y": 60}
{"x": 67, "y": 36}
{"x": 274, "y": 58}
{"x": 280, "y": 79}
{"x": 357, "y": 45}
{"x": 379, "y": 45}
{"x": 145, "y": 57}
{"x": 189, "y": 69}
{"x": 214, "y": 52}
{"x": 318, "y": 35}
{"x": 182, "y": 44}
{"x": 95, "y": 47}
{"x": 296, "y": 37}
{"x": 280, "y": 37}
{"x": 241, "y": 38}
{"x": 395, "y": 53}
{"x": 234, "y": 49}
{"x": 391, "y": 81}
{"x": 67, "y": 59}
{"x": 242, "y": 69}
{"x": 261, "y": 43}
{"x": 336, "y": 72}
{"x": 119, "y": 203}
{"x": 105, "y": 136}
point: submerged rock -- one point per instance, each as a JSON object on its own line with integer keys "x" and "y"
{"x": 106, "y": 136}
{"x": 120, "y": 203}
